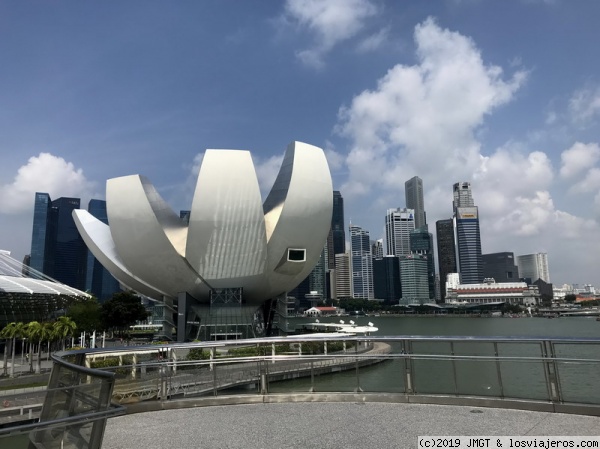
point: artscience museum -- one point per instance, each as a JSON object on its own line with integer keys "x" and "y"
{"x": 221, "y": 274}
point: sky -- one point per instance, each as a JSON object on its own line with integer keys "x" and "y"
{"x": 505, "y": 95}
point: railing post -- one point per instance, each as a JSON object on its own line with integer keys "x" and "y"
{"x": 214, "y": 371}
{"x": 264, "y": 388}
{"x": 358, "y": 389}
{"x": 408, "y": 387}
{"x": 498, "y": 369}
{"x": 454, "y": 376}
{"x": 550, "y": 371}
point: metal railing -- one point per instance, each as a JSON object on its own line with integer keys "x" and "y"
{"x": 535, "y": 373}
{"x": 544, "y": 374}
{"x": 70, "y": 413}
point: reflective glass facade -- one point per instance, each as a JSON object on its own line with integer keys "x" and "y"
{"x": 413, "y": 192}
{"x": 386, "y": 279}
{"x": 421, "y": 243}
{"x": 40, "y": 234}
{"x": 446, "y": 252}
{"x": 98, "y": 280}
{"x": 500, "y": 266}
{"x": 468, "y": 243}
{"x": 57, "y": 249}
{"x": 336, "y": 241}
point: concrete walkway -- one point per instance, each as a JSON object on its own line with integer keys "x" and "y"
{"x": 330, "y": 425}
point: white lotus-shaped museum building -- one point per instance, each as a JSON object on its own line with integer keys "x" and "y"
{"x": 221, "y": 269}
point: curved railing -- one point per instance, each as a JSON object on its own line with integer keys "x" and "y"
{"x": 70, "y": 413}
{"x": 533, "y": 373}
{"x": 544, "y": 374}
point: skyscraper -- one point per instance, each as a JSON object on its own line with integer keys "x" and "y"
{"x": 336, "y": 241}
{"x": 386, "y": 279}
{"x": 500, "y": 266}
{"x": 317, "y": 279}
{"x": 399, "y": 223}
{"x": 413, "y": 192}
{"x": 421, "y": 243}
{"x": 463, "y": 196}
{"x": 98, "y": 280}
{"x": 361, "y": 263}
{"x": 42, "y": 234}
{"x": 377, "y": 249}
{"x": 57, "y": 249}
{"x": 446, "y": 252}
{"x": 534, "y": 267}
{"x": 343, "y": 278}
{"x": 413, "y": 278}
{"x": 468, "y": 243}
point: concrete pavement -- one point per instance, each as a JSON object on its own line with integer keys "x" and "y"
{"x": 330, "y": 425}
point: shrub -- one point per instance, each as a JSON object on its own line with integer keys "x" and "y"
{"x": 198, "y": 354}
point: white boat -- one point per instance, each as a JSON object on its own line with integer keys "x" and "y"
{"x": 342, "y": 327}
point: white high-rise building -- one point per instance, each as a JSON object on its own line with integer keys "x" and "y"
{"x": 343, "y": 278}
{"x": 534, "y": 266}
{"x": 399, "y": 223}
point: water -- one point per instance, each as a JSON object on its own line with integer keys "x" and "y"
{"x": 464, "y": 325}
{"x": 481, "y": 378}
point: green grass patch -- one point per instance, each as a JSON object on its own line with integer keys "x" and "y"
{"x": 18, "y": 386}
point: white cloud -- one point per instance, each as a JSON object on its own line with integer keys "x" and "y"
{"x": 584, "y": 105}
{"x": 422, "y": 118}
{"x": 578, "y": 158}
{"x": 374, "y": 41}
{"x": 426, "y": 118}
{"x": 331, "y": 21}
{"x": 44, "y": 173}
{"x": 590, "y": 183}
{"x": 266, "y": 171}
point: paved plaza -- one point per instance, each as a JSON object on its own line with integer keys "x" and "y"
{"x": 329, "y": 425}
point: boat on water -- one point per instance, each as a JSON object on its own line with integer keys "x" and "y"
{"x": 350, "y": 328}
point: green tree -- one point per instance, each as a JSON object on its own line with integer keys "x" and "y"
{"x": 87, "y": 315}
{"x": 31, "y": 332}
{"x": 37, "y": 333}
{"x": 12, "y": 331}
{"x": 64, "y": 328}
{"x": 50, "y": 334}
{"x": 123, "y": 310}
{"x": 570, "y": 298}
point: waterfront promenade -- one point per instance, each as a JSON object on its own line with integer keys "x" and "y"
{"x": 320, "y": 425}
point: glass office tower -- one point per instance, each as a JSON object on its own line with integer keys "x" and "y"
{"x": 98, "y": 280}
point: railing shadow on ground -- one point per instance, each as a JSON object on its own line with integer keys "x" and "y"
{"x": 542, "y": 374}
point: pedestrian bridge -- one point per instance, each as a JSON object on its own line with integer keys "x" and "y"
{"x": 317, "y": 383}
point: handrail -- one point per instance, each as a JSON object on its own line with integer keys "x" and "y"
{"x": 334, "y": 337}
{"x": 115, "y": 410}
{"x": 147, "y": 380}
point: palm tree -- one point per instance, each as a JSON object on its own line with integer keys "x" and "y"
{"x": 13, "y": 331}
{"x": 3, "y": 333}
{"x": 64, "y": 327}
{"x": 36, "y": 334}
{"x": 50, "y": 335}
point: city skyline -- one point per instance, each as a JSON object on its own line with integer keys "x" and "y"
{"x": 446, "y": 91}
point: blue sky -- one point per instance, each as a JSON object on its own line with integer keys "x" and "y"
{"x": 505, "y": 95}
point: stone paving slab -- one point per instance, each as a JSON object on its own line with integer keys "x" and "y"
{"x": 330, "y": 425}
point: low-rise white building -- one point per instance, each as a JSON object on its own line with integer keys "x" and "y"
{"x": 490, "y": 291}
